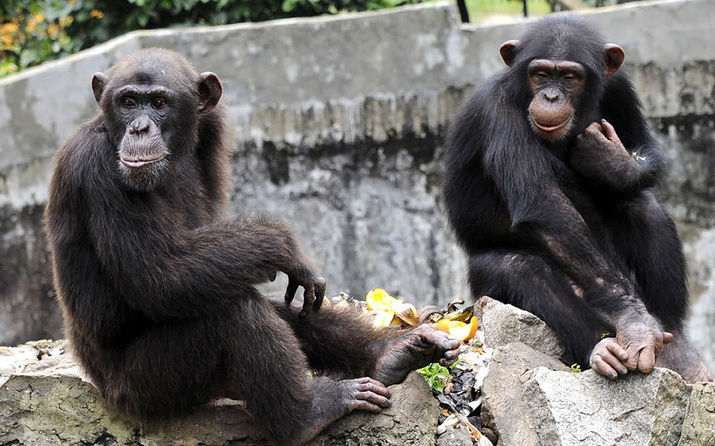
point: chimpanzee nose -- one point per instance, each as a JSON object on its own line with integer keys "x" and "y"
{"x": 551, "y": 96}
{"x": 139, "y": 125}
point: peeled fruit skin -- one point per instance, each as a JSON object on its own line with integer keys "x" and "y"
{"x": 408, "y": 313}
{"x": 458, "y": 329}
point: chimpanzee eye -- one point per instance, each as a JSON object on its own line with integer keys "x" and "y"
{"x": 128, "y": 102}
{"x": 541, "y": 75}
{"x": 158, "y": 103}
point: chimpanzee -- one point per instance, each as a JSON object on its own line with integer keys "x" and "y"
{"x": 550, "y": 187}
{"x": 157, "y": 286}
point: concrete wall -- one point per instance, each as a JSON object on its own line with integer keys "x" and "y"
{"x": 338, "y": 125}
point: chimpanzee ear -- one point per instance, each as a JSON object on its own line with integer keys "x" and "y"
{"x": 508, "y": 51}
{"x": 613, "y": 55}
{"x": 210, "y": 91}
{"x": 99, "y": 81}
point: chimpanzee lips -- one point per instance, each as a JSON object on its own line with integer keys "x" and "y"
{"x": 139, "y": 162}
{"x": 549, "y": 128}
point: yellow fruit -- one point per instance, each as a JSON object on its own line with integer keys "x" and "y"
{"x": 458, "y": 329}
{"x": 379, "y": 300}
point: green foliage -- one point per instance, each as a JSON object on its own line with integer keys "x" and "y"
{"x": 33, "y": 31}
{"x": 435, "y": 375}
{"x": 575, "y": 368}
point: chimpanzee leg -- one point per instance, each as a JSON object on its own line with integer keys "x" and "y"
{"x": 527, "y": 281}
{"x": 341, "y": 341}
{"x": 646, "y": 237}
{"x": 248, "y": 353}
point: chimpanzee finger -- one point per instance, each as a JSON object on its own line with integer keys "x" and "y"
{"x": 601, "y": 367}
{"x": 618, "y": 351}
{"x": 373, "y": 398}
{"x": 646, "y": 359}
{"x": 290, "y": 291}
{"x": 594, "y": 128}
{"x": 610, "y": 132}
{"x": 319, "y": 293}
{"x": 613, "y": 361}
{"x": 308, "y": 299}
{"x": 374, "y": 386}
{"x": 364, "y": 405}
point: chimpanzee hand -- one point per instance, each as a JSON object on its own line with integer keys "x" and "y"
{"x": 313, "y": 285}
{"x": 642, "y": 338}
{"x": 638, "y": 342}
{"x": 599, "y": 153}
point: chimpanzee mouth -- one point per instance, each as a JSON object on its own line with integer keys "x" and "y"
{"x": 135, "y": 163}
{"x": 549, "y": 128}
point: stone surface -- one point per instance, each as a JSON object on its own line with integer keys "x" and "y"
{"x": 48, "y": 402}
{"x": 504, "y": 324}
{"x": 505, "y": 405}
{"x": 455, "y": 437}
{"x": 586, "y": 409}
{"x": 336, "y": 121}
{"x": 699, "y": 423}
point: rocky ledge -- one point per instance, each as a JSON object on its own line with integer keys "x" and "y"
{"x": 529, "y": 397}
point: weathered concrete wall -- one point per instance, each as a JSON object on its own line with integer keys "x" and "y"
{"x": 339, "y": 123}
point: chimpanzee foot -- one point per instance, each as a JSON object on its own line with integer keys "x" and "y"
{"x": 333, "y": 399}
{"x": 697, "y": 374}
{"x": 692, "y": 373}
{"x": 680, "y": 356}
{"x": 413, "y": 350}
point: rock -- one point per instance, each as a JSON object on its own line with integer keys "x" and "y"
{"x": 505, "y": 407}
{"x": 504, "y": 324}
{"x": 45, "y": 400}
{"x": 455, "y": 437}
{"x": 584, "y": 409}
{"x": 699, "y": 423}
{"x": 412, "y": 420}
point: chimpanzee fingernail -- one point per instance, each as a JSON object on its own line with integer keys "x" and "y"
{"x": 613, "y": 375}
{"x": 624, "y": 371}
{"x": 624, "y": 356}
{"x": 604, "y": 121}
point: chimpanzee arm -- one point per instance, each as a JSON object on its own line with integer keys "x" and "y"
{"x": 618, "y": 153}
{"x": 172, "y": 272}
{"x": 159, "y": 267}
{"x": 539, "y": 211}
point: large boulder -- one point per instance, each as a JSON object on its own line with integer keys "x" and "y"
{"x": 531, "y": 398}
{"x": 587, "y": 409}
{"x": 504, "y": 324}
{"x": 46, "y": 400}
{"x": 699, "y": 423}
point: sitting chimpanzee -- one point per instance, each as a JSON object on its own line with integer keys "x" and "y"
{"x": 157, "y": 288}
{"x": 550, "y": 177}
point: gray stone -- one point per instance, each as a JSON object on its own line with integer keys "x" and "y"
{"x": 49, "y": 402}
{"x": 336, "y": 122}
{"x": 455, "y": 437}
{"x": 505, "y": 324}
{"x": 505, "y": 406}
{"x": 699, "y": 423}
{"x": 586, "y": 409}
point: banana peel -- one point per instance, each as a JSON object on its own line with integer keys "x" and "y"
{"x": 458, "y": 329}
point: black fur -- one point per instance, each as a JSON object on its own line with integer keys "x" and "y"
{"x": 573, "y": 242}
{"x": 157, "y": 285}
